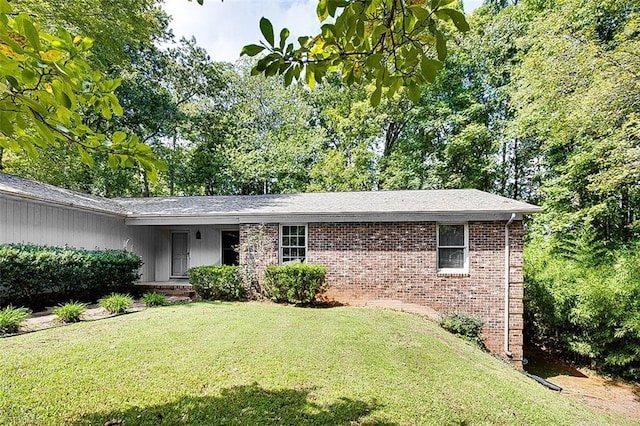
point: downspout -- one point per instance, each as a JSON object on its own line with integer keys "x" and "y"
{"x": 506, "y": 285}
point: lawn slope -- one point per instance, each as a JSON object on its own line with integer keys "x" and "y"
{"x": 260, "y": 364}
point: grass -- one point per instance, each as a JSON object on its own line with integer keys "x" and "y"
{"x": 261, "y": 364}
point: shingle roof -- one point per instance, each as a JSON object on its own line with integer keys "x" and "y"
{"x": 416, "y": 201}
{"x": 386, "y": 203}
{"x": 26, "y": 188}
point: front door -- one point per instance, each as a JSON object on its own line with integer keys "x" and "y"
{"x": 179, "y": 254}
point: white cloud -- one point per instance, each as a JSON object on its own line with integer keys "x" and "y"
{"x": 222, "y": 28}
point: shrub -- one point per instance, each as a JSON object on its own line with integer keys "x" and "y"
{"x": 220, "y": 282}
{"x": 11, "y": 318}
{"x": 116, "y": 303}
{"x": 298, "y": 283}
{"x": 468, "y": 327}
{"x": 70, "y": 312}
{"x": 154, "y": 299}
{"x": 585, "y": 307}
{"x": 40, "y": 276}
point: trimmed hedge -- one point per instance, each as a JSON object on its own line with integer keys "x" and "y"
{"x": 39, "y": 276}
{"x": 221, "y": 282}
{"x": 298, "y": 283}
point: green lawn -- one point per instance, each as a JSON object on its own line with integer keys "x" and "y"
{"x": 256, "y": 364}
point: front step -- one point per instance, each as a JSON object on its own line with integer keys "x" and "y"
{"x": 168, "y": 289}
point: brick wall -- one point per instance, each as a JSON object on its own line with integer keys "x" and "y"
{"x": 397, "y": 261}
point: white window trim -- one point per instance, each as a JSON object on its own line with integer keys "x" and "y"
{"x": 306, "y": 240}
{"x": 465, "y": 268}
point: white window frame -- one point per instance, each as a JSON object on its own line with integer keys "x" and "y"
{"x": 465, "y": 268}
{"x": 281, "y": 246}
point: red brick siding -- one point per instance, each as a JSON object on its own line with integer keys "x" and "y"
{"x": 397, "y": 261}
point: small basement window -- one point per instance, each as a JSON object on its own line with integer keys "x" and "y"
{"x": 293, "y": 243}
{"x": 453, "y": 246}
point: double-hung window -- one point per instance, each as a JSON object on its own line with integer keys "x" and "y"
{"x": 293, "y": 243}
{"x": 453, "y": 248}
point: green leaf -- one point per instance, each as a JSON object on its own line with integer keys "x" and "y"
{"x": 5, "y": 7}
{"x": 119, "y": 137}
{"x": 267, "y": 30}
{"x": 251, "y": 49}
{"x": 414, "y": 92}
{"x": 373, "y": 61}
{"x": 375, "y": 96}
{"x": 430, "y": 68}
{"x": 13, "y": 82}
{"x": 284, "y": 34}
{"x": 112, "y": 160}
{"x": 32, "y": 34}
{"x": 85, "y": 157}
{"x": 322, "y": 10}
{"x": 6, "y": 122}
{"x": 458, "y": 18}
{"x": 441, "y": 46}
{"x": 419, "y": 12}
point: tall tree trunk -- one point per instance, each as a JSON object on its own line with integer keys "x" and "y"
{"x": 516, "y": 170}
{"x": 145, "y": 184}
{"x": 171, "y": 165}
{"x": 1, "y": 154}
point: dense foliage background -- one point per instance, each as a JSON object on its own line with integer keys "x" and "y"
{"x": 540, "y": 101}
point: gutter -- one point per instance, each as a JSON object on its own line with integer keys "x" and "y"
{"x": 506, "y": 286}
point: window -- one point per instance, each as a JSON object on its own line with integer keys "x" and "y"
{"x": 293, "y": 243}
{"x": 452, "y": 248}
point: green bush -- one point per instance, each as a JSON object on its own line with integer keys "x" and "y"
{"x": 116, "y": 303}
{"x": 221, "y": 282}
{"x": 586, "y": 307}
{"x": 11, "y": 318}
{"x": 154, "y": 299}
{"x": 39, "y": 276}
{"x": 298, "y": 283}
{"x": 70, "y": 312}
{"x": 468, "y": 327}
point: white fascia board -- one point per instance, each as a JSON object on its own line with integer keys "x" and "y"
{"x": 235, "y": 219}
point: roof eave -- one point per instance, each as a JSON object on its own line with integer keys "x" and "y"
{"x": 338, "y": 217}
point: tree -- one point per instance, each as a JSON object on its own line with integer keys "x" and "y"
{"x": 47, "y": 87}
{"x": 393, "y": 43}
{"x": 118, "y": 29}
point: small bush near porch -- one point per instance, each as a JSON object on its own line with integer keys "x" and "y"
{"x": 220, "y": 282}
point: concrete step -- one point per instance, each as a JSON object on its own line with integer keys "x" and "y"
{"x": 168, "y": 289}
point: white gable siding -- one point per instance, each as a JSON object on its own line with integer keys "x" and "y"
{"x": 31, "y": 222}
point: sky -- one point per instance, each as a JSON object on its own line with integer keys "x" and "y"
{"x": 223, "y": 27}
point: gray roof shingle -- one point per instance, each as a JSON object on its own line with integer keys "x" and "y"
{"x": 27, "y": 188}
{"x": 433, "y": 202}
{"x": 416, "y": 201}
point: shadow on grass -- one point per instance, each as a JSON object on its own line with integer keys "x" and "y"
{"x": 242, "y": 405}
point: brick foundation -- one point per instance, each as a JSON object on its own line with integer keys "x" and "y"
{"x": 397, "y": 261}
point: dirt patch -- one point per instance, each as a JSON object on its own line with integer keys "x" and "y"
{"x": 602, "y": 393}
